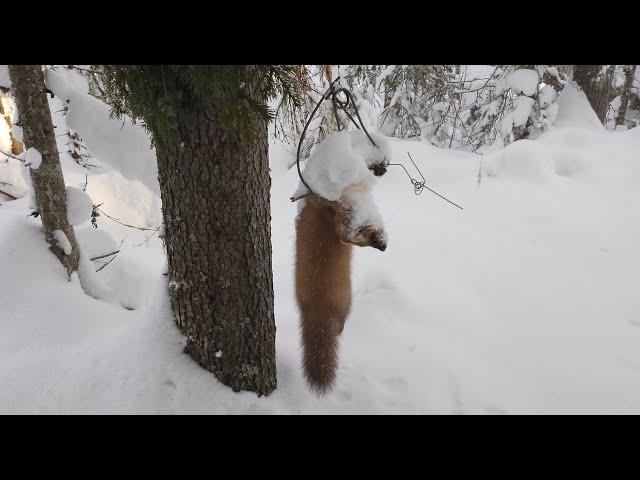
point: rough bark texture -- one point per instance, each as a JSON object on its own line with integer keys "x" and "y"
{"x": 597, "y": 87}
{"x": 215, "y": 200}
{"x": 629, "y": 75}
{"x": 48, "y": 182}
{"x": 565, "y": 69}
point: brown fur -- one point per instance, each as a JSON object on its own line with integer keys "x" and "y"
{"x": 16, "y": 145}
{"x": 323, "y": 283}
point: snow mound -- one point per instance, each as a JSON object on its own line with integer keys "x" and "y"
{"x": 575, "y": 149}
{"x": 11, "y": 178}
{"x": 91, "y": 283}
{"x": 574, "y": 110}
{"x": 518, "y": 115}
{"x": 95, "y": 242}
{"x": 116, "y": 143}
{"x": 128, "y": 200}
{"x": 525, "y": 160}
{"x": 342, "y": 159}
{"x": 62, "y": 241}
{"x": 569, "y": 162}
{"x": 79, "y": 206}
{"x": 33, "y": 159}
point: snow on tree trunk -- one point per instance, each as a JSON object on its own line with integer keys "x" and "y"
{"x": 629, "y": 75}
{"x": 595, "y": 81}
{"x": 48, "y": 182}
{"x": 215, "y": 198}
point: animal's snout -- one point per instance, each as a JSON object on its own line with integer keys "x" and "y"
{"x": 380, "y": 246}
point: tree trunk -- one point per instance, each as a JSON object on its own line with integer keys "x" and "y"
{"x": 48, "y": 182}
{"x": 565, "y": 70}
{"x": 215, "y": 200}
{"x": 629, "y": 75}
{"x": 596, "y": 86}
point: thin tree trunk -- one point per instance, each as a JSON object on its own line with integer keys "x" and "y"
{"x": 596, "y": 86}
{"x": 630, "y": 73}
{"x": 215, "y": 201}
{"x": 48, "y": 182}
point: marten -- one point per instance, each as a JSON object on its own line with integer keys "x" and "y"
{"x": 325, "y": 233}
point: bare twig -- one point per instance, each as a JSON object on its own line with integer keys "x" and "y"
{"x": 113, "y": 256}
{"x": 97, "y": 207}
{"x": 148, "y": 238}
{"x": 8, "y": 195}
{"x": 10, "y": 155}
{"x": 103, "y": 266}
{"x": 105, "y": 255}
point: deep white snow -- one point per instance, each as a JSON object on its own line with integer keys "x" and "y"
{"x": 33, "y": 158}
{"x": 79, "y": 206}
{"x": 524, "y": 302}
{"x": 63, "y": 241}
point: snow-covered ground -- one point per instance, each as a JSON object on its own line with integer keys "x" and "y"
{"x": 526, "y": 301}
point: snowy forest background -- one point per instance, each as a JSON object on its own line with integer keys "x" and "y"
{"x": 524, "y": 302}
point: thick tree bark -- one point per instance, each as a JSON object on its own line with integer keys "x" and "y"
{"x": 596, "y": 86}
{"x": 215, "y": 200}
{"x": 629, "y": 75}
{"x": 48, "y": 183}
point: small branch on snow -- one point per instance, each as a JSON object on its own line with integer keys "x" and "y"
{"x": 8, "y": 194}
{"x": 9, "y": 155}
{"x": 147, "y": 239}
{"x": 105, "y": 255}
{"x": 97, "y": 207}
{"x": 103, "y": 266}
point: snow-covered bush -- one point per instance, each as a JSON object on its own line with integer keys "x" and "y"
{"x": 517, "y": 103}
{"x": 467, "y": 107}
{"x": 626, "y": 88}
{"x": 406, "y": 93}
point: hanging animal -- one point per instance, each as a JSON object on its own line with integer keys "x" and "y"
{"x": 325, "y": 235}
{"x": 337, "y": 212}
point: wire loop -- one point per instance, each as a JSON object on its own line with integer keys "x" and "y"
{"x": 378, "y": 169}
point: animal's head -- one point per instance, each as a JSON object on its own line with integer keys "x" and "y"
{"x": 365, "y": 232}
{"x": 363, "y": 235}
{"x": 354, "y": 216}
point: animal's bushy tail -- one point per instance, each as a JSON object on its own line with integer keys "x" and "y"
{"x": 319, "y": 348}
